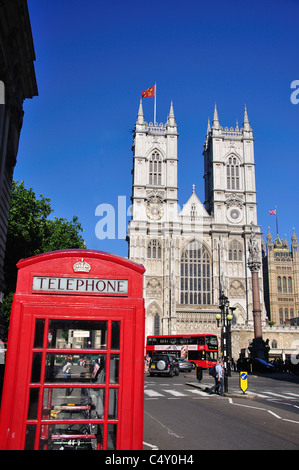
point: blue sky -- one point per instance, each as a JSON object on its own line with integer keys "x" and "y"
{"x": 93, "y": 58}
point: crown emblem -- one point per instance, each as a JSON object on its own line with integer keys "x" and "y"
{"x": 81, "y": 267}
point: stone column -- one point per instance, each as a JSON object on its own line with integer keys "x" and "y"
{"x": 258, "y": 348}
{"x": 257, "y": 322}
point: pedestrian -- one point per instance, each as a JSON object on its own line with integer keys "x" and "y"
{"x": 66, "y": 370}
{"x": 219, "y": 378}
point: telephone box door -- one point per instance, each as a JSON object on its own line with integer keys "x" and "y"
{"x": 77, "y": 377}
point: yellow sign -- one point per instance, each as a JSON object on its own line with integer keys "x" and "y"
{"x": 243, "y": 381}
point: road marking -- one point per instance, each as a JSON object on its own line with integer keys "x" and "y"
{"x": 293, "y": 394}
{"x": 175, "y": 393}
{"x": 153, "y": 393}
{"x": 279, "y": 395}
{"x": 152, "y": 446}
{"x": 169, "y": 431}
{"x": 274, "y": 414}
{"x": 291, "y": 421}
{"x": 262, "y": 409}
{"x": 198, "y": 392}
{"x": 246, "y": 406}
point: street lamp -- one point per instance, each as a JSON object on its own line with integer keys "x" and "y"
{"x": 225, "y": 316}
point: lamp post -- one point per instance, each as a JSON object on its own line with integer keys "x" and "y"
{"x": 225, "y": 316}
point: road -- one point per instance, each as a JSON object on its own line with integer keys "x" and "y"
{"x": 179, "y": 415}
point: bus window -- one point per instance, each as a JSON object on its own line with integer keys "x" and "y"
{"x": 212, "y": 342}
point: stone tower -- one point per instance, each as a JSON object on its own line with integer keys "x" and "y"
{"x": 191, "y": 252}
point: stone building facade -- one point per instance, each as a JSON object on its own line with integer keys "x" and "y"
{"x": 17, "y": 82}
{"x": 191, "y": 252}
{"x": 281, "y": 272}
{"x": 281, "y": 281}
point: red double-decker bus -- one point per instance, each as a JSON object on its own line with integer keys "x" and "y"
{"x": 201, "y": 350}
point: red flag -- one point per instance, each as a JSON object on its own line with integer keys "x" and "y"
{"x": 149, "y": 92}
{"x": 272, "y": 212}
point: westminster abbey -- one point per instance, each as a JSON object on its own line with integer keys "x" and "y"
{"x": 192, "y": 250}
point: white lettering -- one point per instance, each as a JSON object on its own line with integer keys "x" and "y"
{"x": 117, "y": 460}
{"x": 294, "y": 95}
{"x": 108, "y": 221}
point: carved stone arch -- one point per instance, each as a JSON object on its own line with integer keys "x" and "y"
{"x": 155, "y": 149}
{"x": 154, "y": 197}
{"x": 233, "y": 153}
{"x": 153, "y": 319}
{"x": 239, "y": 315}
{"x": 198, "y": 240}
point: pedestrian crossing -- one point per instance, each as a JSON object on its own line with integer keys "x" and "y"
{"x": 173, "y": 394}
{"x": 179, "y": 391}
{"x": 273, "y": 396}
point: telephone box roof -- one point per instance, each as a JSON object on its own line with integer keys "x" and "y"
{"x": 81, "y": 253}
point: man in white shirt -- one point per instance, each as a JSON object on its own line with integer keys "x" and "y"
{"x": 219, "y": 378}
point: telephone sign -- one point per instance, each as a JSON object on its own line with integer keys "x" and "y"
{"x": 74, "y": 376}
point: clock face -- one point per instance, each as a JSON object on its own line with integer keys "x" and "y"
{"x": 235, "y": 214}
{"x": 154, "y": 211}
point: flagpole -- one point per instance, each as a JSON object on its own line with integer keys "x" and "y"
{"x": 276, "y": 220}
{"x": 155, "y": 104}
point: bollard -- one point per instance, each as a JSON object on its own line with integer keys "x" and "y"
{"x": 199, "y": 373}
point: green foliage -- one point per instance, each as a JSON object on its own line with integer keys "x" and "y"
{"x": 31, "y": 231}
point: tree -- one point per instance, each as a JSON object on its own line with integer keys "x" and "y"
{"x": 31, "y": 231}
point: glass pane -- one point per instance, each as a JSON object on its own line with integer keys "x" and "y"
{"x": 86, "y": 368}
{"x": 115, "y": 335}
{"x": 77, "y": 334}
{"x": 114, "y": 368}
{"x": 33, "y": 403}
{"x": 113, "y": 394}
{"x": 30, "y": 437}
{"x": 39, "y": 333}
{"x": 71, "y": 437}
{"x": 111, "y": 437}
{"x": 36, "y": 367}
{"x": 73, "y": 403}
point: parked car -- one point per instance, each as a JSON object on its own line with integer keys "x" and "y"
{"x": 184, "y": 365}
{"x": 164, "y": 364}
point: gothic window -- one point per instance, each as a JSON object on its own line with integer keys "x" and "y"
{"x": 279, "y": 284}
{"x": 274, "y": 344}
{"x": 195, "y": 275}
{"x": 291, "y": 313}
{"x": 284, "y": 284}
{"x": 235, "y": 251}
{"x": 290, "y": 288}
{"x": 280, "y": 316}
{"x": 193, "y": 212}
{"x": 233, "y": 173}
{"x": 154, "y": 249}
{"x": 155, "y": 169}
{"x": 157, "y": 324}
{"x": 286, "y": 314}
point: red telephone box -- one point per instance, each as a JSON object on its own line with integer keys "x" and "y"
{"x": 75, "y": 360}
